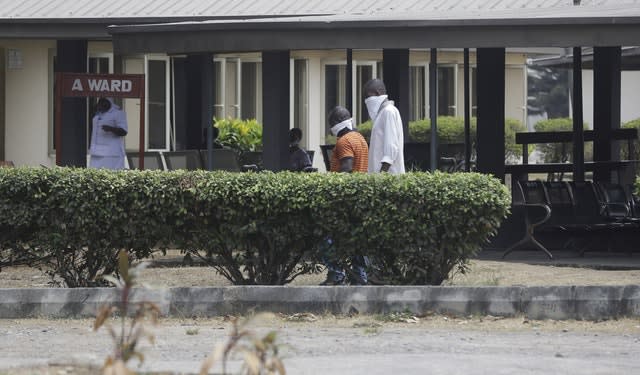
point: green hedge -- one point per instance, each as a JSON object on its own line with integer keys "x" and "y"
{"x": 451, "y": 130}
{"x": 255, "y": 228}
{"x": 560, "y": 152}
{"x": 624, "y": 150}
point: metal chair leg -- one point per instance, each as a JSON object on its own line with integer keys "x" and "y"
{"x": 528, "y": 238}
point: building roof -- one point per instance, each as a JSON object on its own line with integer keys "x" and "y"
{"x": 563, "y": 26}
{"x": 179, "y": 26}
{"x": 99, "y": 10}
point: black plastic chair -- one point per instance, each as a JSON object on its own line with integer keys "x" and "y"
{"x": 223, "y": 159}
{"x": 152, "y": 160}
{"x": 187, "y": 159}
{"x": 531, "y": 202}
{"x": 326, "y": 155}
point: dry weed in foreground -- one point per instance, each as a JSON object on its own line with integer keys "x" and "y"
{"x": 132, "y": 329}
{"x": 260, "y": 353}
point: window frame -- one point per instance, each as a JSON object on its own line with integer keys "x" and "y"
{"x": 167, "y": 114}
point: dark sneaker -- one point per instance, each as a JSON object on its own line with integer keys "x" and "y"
{"x": 357, "y": 277}
{"x": 332, "y": 282}
{"x": 333, "y": 278}
{"x": 357, "y": 280}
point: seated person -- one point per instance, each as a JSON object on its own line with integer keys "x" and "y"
{"x": 298, "y": 158}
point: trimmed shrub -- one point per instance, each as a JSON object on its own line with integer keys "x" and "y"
{"x": 624, "y": 150}
{"x": 417, "y": 227}
{"x": 74, "y": 221}
{"x": 559, "y": 152}
{"x": 255, "y": 228}
{"x": 240, "y": 135}
{"x": 451, "y": 130}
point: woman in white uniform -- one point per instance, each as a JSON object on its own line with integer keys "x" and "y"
{"x": 107, "y": 136}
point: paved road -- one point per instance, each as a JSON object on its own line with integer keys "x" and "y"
{"x": 323, "y": 348}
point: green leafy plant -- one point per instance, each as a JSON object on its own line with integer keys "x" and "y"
{"x": 559, "y": 152}
{"x": 131, "y": 330}
{"x": 260, "y": 354}
{"x": 240, "y": 135}
{"x": 624, "y": 151}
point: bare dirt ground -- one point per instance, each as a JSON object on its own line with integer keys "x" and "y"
{"x": 481, "y": 273}
{"x": 379, "y": 343}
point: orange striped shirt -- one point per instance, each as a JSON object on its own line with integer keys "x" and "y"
{"x": 351, "y": 145}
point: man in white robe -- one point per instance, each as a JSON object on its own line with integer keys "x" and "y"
{"x": 386, "y": 147}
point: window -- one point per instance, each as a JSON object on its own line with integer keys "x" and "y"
{"x": 251, "y": 90}
{"x": 335, "y": 87}
{"x": 300, "y": 95}
{"x": 158, "y": 104}
{"x": 364, "y": 73}
{"x": 219, "y": 75}
{"x": 417, "y": 81}
{"x": 238, "y": 92}
{"x": 446, "y": 91}
{"x": 473, "y": 93}
{"x": 99, "y": 64}
{"x": 335, "y": 90}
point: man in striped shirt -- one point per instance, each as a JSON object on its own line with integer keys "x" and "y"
{"x": 351, "y": 152}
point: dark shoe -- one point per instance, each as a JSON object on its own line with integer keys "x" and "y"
{"x": 357, "y": 277}
{"x": 357, "y": 281}
{"x": 333, "y": 278}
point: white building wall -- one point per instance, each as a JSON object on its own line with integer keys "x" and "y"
{"x": 27, "y": 92}
{"x": 630, "y": 110}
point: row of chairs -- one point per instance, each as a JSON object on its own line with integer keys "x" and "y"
{"x": 578, "y": 214}
{"x": 223, "y": 159}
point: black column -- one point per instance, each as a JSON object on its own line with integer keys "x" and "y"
{"x": 71, "y": 57}
{"x": 396, "y": 79}
{"x": 207, "y": 89}
{"x": 192, "y": 86}
{"x": 180, "y": 100}
{"x": 275, "y": 109}
{"x": 349, "y": 82}
{"x": 491, "y": 94}
{"x": 606, "y": 105}
{"x": 434, "y": 155}
{"x": 467, "y": 113}
{"x": 578, "y": 127}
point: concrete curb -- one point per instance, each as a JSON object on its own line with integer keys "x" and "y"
{"x": 553, "y": 302}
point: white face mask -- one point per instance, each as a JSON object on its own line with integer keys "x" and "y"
{"x": 373, "y": 104}
{"x": 337, "y": 128}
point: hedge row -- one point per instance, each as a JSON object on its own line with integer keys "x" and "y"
{"x": 451, "y": 130}
{"x": 255, "y": 228}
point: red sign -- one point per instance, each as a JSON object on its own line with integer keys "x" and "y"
{"x": 103, "y": 85}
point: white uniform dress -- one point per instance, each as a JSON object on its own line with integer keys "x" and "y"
{"x": 387, "y": 138}
{"x": 107, "y": 149}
